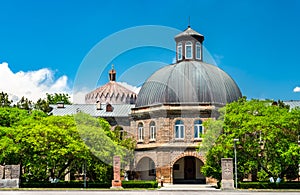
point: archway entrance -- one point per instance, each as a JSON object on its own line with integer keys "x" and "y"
{"x": 145, "y": 169}
{"x": 187, "y": 170}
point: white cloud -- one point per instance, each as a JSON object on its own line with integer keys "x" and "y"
{"x": 130, "y": 87}
{"x": 32, "y": 84}
{"x": 79, "y": 96}
{"x": 296, "y": 89}
{"x": 35, "y": 84}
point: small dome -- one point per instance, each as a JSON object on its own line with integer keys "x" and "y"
{"x": 112, "y": 92}
{"x": 188, "y": 82}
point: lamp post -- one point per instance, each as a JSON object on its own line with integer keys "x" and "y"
{"x": 84, "y": 174}
{"x": 235, "y": 161}
{"x": 84, "y": 168}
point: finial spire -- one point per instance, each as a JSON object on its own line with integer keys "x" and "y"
{"x": 189, "y": 22}
{"x": 112, "y": 74}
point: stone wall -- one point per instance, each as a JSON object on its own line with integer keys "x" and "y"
{"x": 9, "y": 176}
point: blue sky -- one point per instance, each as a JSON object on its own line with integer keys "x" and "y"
{"x": 256, "y": 42}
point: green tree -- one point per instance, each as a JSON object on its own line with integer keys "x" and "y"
{"x": 25, "y": 104}
{"x": 10, "y": 116}
{"x": 102, "y": 141}
{"x": 268, "y": 137}
{"x": 53, "y": 146}
{"x": 58, "y": 97}
{"x": 4, "y": 100}
{"x": 43, "y": 105}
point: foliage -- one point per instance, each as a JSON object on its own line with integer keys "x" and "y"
{"x": 139, "y": 184}
{"x": 214, "y": 129}
{"x": 106, "y": 143}
{"x": 10, "y": 116}
{"x": 4, "y": 100}
{"x": 267, "y": 136}
{"x": 43, "y": 105}
{"x": 58, "y": 97}
{"x": 25, "y": 104}
{"x": 52, "y": 146}
{"x": 79, "y": 184}
{"x": 65, "y": 184}
{"x": 268, "y": 185}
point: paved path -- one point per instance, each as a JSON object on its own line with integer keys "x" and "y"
{"x": 143, "y": 193}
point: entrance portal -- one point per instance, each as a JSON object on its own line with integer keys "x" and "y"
{"x": 186, "y": 170}
{"x": 145, "y": 169}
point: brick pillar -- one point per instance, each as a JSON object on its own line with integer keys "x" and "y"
{"x": 116, "y": 182}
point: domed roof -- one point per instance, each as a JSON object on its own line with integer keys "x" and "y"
{"x": 112, "y": 92}
{"x": 188, "y": 82}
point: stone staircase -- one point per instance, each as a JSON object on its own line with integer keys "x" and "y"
{"x": 188, "y": 187}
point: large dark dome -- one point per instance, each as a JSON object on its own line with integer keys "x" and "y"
{"x": 188, "y": 82}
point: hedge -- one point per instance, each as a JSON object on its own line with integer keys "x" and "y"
{"x": 79, "y": 184}
{"x": 139, "y": 184}
{"x": 268, "y": 185}
{"x": 64, "y": 184}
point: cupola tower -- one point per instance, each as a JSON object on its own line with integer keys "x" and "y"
{"x": 189, "y": 45}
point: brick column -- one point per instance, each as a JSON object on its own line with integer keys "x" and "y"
{"x": 116, "y": 182}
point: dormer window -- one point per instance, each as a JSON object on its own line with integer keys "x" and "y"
{"x": 60, "y": 104}
{"x": 198, "y": 51}
{"x": 109, "y": 108}
{"x": 188, "y": 50}
{"x": 179, "y": 51}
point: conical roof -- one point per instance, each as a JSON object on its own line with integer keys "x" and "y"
{"x": 112, "y": 92}
{"x": 189, "y": 32}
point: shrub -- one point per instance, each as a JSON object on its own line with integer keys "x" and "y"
{"x": 268, "y": 185}
{"x": 64, "y": 184}
{"x": 139, "y": 184}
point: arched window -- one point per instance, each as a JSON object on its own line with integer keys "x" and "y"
{"x": 179, "y": 129}
{"x": 198, "y": 129}
{"x": 119, "y": 131}
{"x": 152, "y": 131}
{"x": 140, "y": 132}
{"x": 179, "y": 51}
{"x": 198, "y": 51}
{"x": 109, "y": 108}
{"x": 188, "y": 50}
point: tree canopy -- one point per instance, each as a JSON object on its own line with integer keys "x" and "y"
{"x": 41, "y": 104}
{"x": 268, "y": 140}
{"x": 52, "y": 146}
{"x": 4, "y": 100}
{"x": 58, "y": 97}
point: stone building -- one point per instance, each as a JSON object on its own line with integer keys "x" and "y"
{"x": 166, "y": 116}
{"x": 170, "y": 109}
{"x": 111, "y": 101}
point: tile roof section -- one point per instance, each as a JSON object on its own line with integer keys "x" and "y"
{"x": 292, "y": 103}
{"x": 119, "y": 110}
{"x": 112, "y": 92}
{"x": 188, "y": 32}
